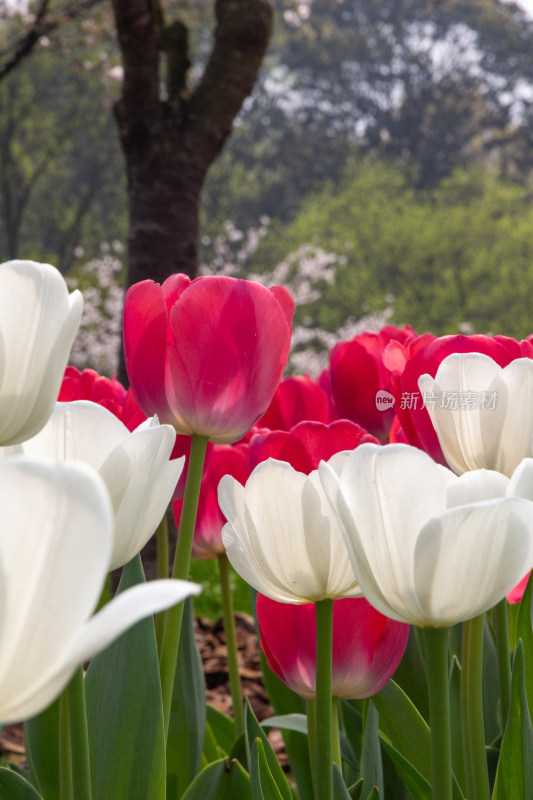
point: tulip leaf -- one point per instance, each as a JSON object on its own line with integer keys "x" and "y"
{"x": 222, "y": 726}
{"x": 263, "y": 783}
{"x": 211, "y": 751}
{"x": 491, "y": 686}
{"x": 222, "y": 780}
{"x": 340, "y": 792}
{"x": 371, "y": 763}
{"x": 458, "y": 764}
{"x": 514, "y": 777}
{"x": 354, "y": 791}
{"x": 418, "y": 786}
{"x": 125, "y": 712}
{"x": 188, "y": 713}
{"x": 287, "y": 722}
{"x": 14, "y": 787}
{"x": 404, "y": 727}
{"x": 253, "y": 731}
{"x": 41, "y": 739}
{"x": 524, "y": 631}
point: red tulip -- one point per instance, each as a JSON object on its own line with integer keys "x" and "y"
{"x": 296, "y": 399}
{"x": 206, "y": 356}
{"x": 408, "y": 361}
{"x": 222, "y": 460}
{"x": 357, "y": 374}
{"x": 308, "y": 443}
{"x": 367, "y": 647}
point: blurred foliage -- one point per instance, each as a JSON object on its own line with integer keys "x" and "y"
{"x": 209, "y": 602}
{"x": 456, "y": 257}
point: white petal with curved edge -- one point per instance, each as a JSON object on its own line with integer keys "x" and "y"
{"x": 56, "y": 569}
{"x": 475, "y": 487}
{"x": 100, "y": 631}
{"x": 281, "y": 538}
{"x": 467, "y": 560}
{"x": 461, "y": 434}
{"x": 513, "y": 442}
{"x": 521, "y": 483}
{"x": 80, "y": 430}
{"x": 141, "y": 481}
{"x": 34, "y": 300}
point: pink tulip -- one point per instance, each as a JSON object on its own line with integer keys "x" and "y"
{"x": 107, "y": 392}
{"x": 367, "y": 647}
{"x": 357, "y": 375}
{"x": 308, "y": 443}
{"x": 206, "y": 356}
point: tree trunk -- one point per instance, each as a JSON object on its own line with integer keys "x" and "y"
{"x": 169, "y": 142}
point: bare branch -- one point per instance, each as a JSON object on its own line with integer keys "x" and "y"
{"x": 44, "y": 23}
{"x": 137, "y": 28}
{"x": 241, "y": 39}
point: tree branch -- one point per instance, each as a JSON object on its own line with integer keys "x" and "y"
{"x": 241, "y": 38}
{"x": 137, "y": 28}
{"x": 43, "y": 24}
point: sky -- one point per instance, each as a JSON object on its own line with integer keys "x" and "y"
{"x": 527, "y": 5}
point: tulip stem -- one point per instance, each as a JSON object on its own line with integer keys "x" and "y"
{"x": 324, "y": 747}
{"x": 180, "y": 570}
{"x": 477, "y": 779}
{"x": 439, "y": 713}
{"x": 162, "y": 572}
{"x": 65, "y": 757}
{"x": 311, "y": 738}
{"x": 79, "y": 737}
{"x": 503, "y": 649}
{"x": 231, "y": 643}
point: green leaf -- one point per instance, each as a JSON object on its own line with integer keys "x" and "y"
{"x": 263, "y": 783}
{"x": 354, "y": 791}
{"x": 211, "y": 751}
{"x": 222, "y": 726}
{"x": 186, "y": 731}
{"x": 491, "y": 687}
{"x": 524, "y": 631}
{"x": 287, "y": 722}
{"x": 374, "y": 794}
{"x": 514, "y": 777}
{"x": 253, "y": 731}
{"x": 222, "y": 780}
{"x": 41, "y": 738}
{"x": 125, "y": 712}
{"x": 371, "y": 763}
{"x": 404, "y": 727}
{"x": 15, "y": 787}
{"x": 458, "y": 764}
{"x": 340, "y": 792}
{"x": 418, "y": 786}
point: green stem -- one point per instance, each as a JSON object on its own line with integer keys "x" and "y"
{"x": 231, "y": 643}
{"x": 477, "y": 779}
{"x": 79, "y": 737}
{"x": 335, "y": 733}
{"x": 311, "y": 738}
{"x": 162, "y": 572}
{"x": 503, "y": 649}
{"x": 65, "y": 758}
{"x": 439, "y": 712}
{"x": 324, "y": 634}
{"x": 180, "y": 570}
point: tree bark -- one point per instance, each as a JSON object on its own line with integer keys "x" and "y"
{"x": 169, "y": 142}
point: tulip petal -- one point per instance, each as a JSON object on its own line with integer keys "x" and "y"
{"x": 34, "y": 299}
{"x": 475, "y": 487}
{"x": 57, "y": 547}
{"x": 481, "y": 550}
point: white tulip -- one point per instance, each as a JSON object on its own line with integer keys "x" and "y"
{"x": 481, "y": 412}
{"x": 38, "y": 323}
{"x": 428, "y": 547}
{"x": 283, "y": 538}
{"x": 56, "y": 537}
{"x": 135, "y": 466}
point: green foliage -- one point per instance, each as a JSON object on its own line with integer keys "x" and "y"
{"x": 208, "y": 603}
{"x": 456, "y": 258}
